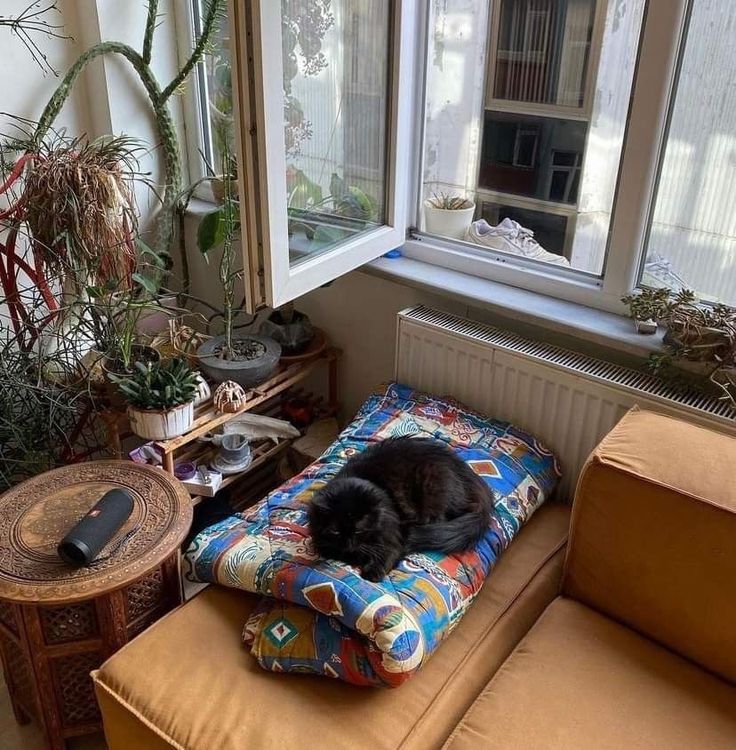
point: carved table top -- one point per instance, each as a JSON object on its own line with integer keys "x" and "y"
{"x": 35, "y": 515}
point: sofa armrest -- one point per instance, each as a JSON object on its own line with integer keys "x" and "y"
{"x": 653, "y": 536}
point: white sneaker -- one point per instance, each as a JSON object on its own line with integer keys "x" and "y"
{"x": 511, "y": 237}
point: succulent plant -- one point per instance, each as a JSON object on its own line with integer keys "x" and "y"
{"x": 159, "y": 386}
{"x": 648, "y": 304}
{"x": 448, "y": 202}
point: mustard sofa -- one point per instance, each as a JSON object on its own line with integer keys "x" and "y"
{"x": 630, "y": 644}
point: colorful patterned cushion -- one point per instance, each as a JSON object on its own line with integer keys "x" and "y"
{"x": 319, "y": 616}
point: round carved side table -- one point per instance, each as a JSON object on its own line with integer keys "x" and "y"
{"x": 57, "y": 623}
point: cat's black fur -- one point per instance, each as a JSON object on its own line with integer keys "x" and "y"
{"x": 399, "y": 496}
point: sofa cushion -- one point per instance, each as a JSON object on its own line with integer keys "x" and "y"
{"x": 581, "y": 680}
{"x": 189, "y": 682}
{"x": 652, "y": 536}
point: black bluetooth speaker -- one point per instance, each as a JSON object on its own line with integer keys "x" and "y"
{"x": 83, "y": 543}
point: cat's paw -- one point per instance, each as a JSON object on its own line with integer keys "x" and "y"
{"x": 373, "y": 572}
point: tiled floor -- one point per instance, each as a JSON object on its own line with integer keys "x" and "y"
{"x": 29, "y": 737}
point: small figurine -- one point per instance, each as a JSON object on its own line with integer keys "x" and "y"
{"x": 229, "y": 397}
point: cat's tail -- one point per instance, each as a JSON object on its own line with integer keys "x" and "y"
{"x": 458, "y": 534}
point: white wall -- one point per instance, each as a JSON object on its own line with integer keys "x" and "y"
{"x": 359, "y": 313}
{"x": 24, "y": 88}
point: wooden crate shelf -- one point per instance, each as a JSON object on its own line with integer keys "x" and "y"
{"x": 207, "y": 419}
{"x": 267, "y": 398}
{"x": 262, "y": 452}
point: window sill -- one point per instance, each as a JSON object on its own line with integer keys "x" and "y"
{"x": 570, "y": 319}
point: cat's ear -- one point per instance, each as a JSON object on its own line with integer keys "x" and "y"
{"x": 321, "y": 500}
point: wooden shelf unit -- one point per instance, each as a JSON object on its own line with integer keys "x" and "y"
{"x": 207, "y": 419}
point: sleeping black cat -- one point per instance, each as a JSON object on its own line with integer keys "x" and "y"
{"x": 399, "y": 496}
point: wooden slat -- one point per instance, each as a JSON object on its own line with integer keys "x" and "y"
{"x": 261, "y": 454}
{"x": 209, "y": 419}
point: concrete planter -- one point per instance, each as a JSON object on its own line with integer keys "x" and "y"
{"x": 245, "y": 372}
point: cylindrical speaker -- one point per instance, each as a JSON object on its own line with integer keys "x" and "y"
{"x": 83, "y": 543}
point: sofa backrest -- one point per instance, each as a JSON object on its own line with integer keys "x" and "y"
{"x": 653, "y": 536}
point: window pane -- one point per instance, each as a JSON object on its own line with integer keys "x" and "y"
{"x": 216, "y": 106}
{"x": 692, "y": 240}
{"x": 509, "y": 125}
{"x": 543, "y": 51}
{"x": 336, "y": 57}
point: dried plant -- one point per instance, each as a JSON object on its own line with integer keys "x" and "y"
{"x": 448, "y": 201}
{"x": 80, "y": 207}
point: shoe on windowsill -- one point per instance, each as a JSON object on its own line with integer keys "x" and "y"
{"x": 509, "y": 236}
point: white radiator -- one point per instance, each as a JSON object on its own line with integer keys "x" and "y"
{"x": 568, "y": 400}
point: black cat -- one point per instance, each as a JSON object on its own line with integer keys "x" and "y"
{"x": 399, "y": 496}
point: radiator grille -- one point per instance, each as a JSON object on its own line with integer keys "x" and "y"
{"x": 573, "y": 361}
{"x": 568, "y": 399}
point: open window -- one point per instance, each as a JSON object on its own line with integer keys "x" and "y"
{"x": 322, "y": 124}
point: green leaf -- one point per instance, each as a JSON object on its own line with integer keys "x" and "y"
{"x": 211, "y": 232}
{"x": 146, "y": 282}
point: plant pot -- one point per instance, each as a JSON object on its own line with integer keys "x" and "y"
{"x": 219, "y": 188}
{"x": 246, "y": 372}
{"x": 294, "y": 336}
{"x": 448, "y": 223}
{"x": 646, "y": 327}
{"x": 161, "y": 424}
{"x": 705, "y": 344}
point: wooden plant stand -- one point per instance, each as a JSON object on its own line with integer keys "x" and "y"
{"x": 207, "y": 419}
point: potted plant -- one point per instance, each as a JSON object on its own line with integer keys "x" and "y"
{"x": 647, "y": 307}
{"x": 699, "y": 346}
{"x": 700, "y": 333}
{"x": 160, "y": 398}
{"x": 291, "y": 328}
{"x": 448, "y": 215}
{"x": 247, "y": 359}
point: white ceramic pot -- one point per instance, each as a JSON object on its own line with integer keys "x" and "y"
{"x": 203, "y": 390}
{"x": 448, "y": 223}
{"x": 161, "y": 424}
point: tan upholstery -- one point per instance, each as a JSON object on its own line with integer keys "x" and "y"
{"x": 188, "y": 682}
{"x": 639, "y": 652}
{"x": 580, "y": 681}
{"x": 653, "y": 536}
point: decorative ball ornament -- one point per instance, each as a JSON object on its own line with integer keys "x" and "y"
{"x": 229, "y": 397}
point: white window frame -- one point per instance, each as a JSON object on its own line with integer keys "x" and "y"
{"x": 260, "y": 137}
{"x": 653, "y": 87}
{"x": 193, "y": 101}
{"x": 273, "y": 282}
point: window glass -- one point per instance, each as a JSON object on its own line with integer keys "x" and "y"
{"x": 336, "y": 75}
{"x": 216, "y": 92}
{"x": 526, "y": 111}
{"x": 543, "y": 51}
{"x": 692, "y": 236}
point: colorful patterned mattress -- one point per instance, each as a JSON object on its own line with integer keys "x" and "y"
{"x": 319, "y": 616}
